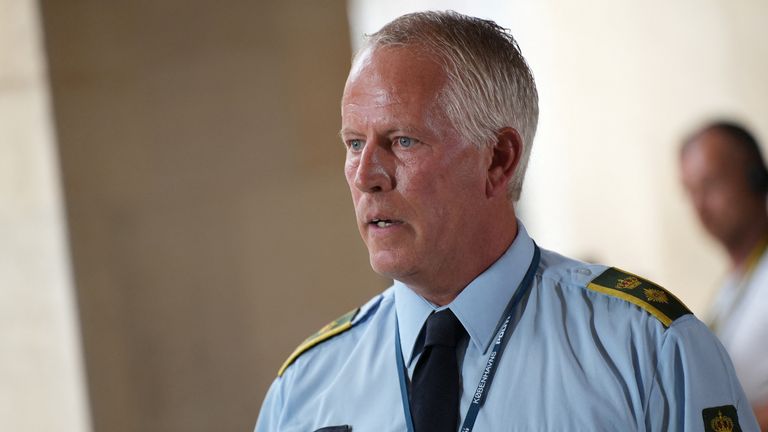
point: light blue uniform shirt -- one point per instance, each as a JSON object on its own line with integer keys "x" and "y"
{"x": 576, "y": 360}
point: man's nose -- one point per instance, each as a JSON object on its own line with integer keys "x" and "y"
{"x": 373, "y": 171}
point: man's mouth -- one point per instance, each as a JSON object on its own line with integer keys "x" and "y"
{"x": 383, "y": 223}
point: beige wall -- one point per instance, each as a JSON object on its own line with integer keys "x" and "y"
{"x": 210, "y": 225}
{"x": 620, "y": 83}
{"x": 41, "y": 376}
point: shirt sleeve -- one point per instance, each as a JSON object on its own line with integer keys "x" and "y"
{"x": 271, "y": 409}
{"x": 693, "y": 380}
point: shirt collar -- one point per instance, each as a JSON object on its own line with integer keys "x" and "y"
{"x": 479, "y": 306}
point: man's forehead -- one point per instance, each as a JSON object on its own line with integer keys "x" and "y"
{"x": 715, "y": 151}
{"x": 394, "y": 75}
{"x": 391, "y": 113}
{"x": 391, "y": 63}
{"x": 371, "y": 92}
{"x": 393, "y": 86}
{"x": 361, "y": 60}
{"x": 718, "y": 144}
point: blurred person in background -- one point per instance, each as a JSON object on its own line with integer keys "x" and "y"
{"x": 482, "y": 328}
{"x": 726, "y": 179}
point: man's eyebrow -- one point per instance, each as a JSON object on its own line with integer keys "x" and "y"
{"x": 347, "y": 131}
{"x": 405, "y": 130}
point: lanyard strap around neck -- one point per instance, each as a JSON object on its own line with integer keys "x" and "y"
{"x": 500, "y": 341}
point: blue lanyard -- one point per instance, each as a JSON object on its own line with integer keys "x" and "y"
{"x": 502, "y": 336}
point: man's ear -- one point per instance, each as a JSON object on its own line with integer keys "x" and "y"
{"x": 507, "y": 151}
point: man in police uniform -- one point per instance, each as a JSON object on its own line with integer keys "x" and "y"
{"x": 482, "y": 330}
{"x": 723, "y": 171}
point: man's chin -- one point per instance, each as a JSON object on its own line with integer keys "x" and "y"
{"x": 391, "y": 267}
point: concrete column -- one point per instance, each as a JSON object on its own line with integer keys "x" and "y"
{"x": 211, "y": 226}
{"x": 41, "y": 377}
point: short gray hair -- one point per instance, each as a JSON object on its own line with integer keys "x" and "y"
{"x": 490, "y": 85}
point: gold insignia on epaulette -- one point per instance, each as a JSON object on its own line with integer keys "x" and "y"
{"x": 654, "y": 299}
{"x": 628, "y": 283}
{"x": 655, "y": 295}
{"x": 337, "y": 326}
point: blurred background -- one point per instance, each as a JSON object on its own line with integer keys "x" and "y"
{"x": 173, "y": 214}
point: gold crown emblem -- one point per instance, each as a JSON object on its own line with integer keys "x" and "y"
{"x": 628, "y": 283}
{"x": 721, "y": 423}
{"x": 655, "y": 295}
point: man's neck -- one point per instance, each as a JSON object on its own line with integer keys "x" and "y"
{"x": 444, "y": 288}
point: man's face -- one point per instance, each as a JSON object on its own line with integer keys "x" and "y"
{"x": 417, "y": 187}
{"x": 714, "y": 176}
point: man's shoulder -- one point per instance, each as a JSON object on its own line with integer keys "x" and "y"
{"x": 649, "y": 296}
{"x": 611, "y": 284}
{"x": 333, "y": 331}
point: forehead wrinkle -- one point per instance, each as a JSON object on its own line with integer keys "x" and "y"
{"x": 393, "y": 124}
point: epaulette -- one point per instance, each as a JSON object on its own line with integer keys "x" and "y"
{"x": 656, "y": 300}
{"x": 335, "y": 327}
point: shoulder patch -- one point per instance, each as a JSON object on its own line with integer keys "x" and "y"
{"x": 721, "y": 419}
{"x": 337, "y": 326}
{"x": 656, "y": 300}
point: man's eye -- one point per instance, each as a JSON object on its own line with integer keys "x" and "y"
{"x": 405, "y": 142}
{"x": 355, "y": 144}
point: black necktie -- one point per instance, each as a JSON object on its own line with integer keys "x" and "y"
{"x": 435, "y": 384}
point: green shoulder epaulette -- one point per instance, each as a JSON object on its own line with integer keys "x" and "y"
{"x": 656, "y": 300}
{"x": 337, "y": 326}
